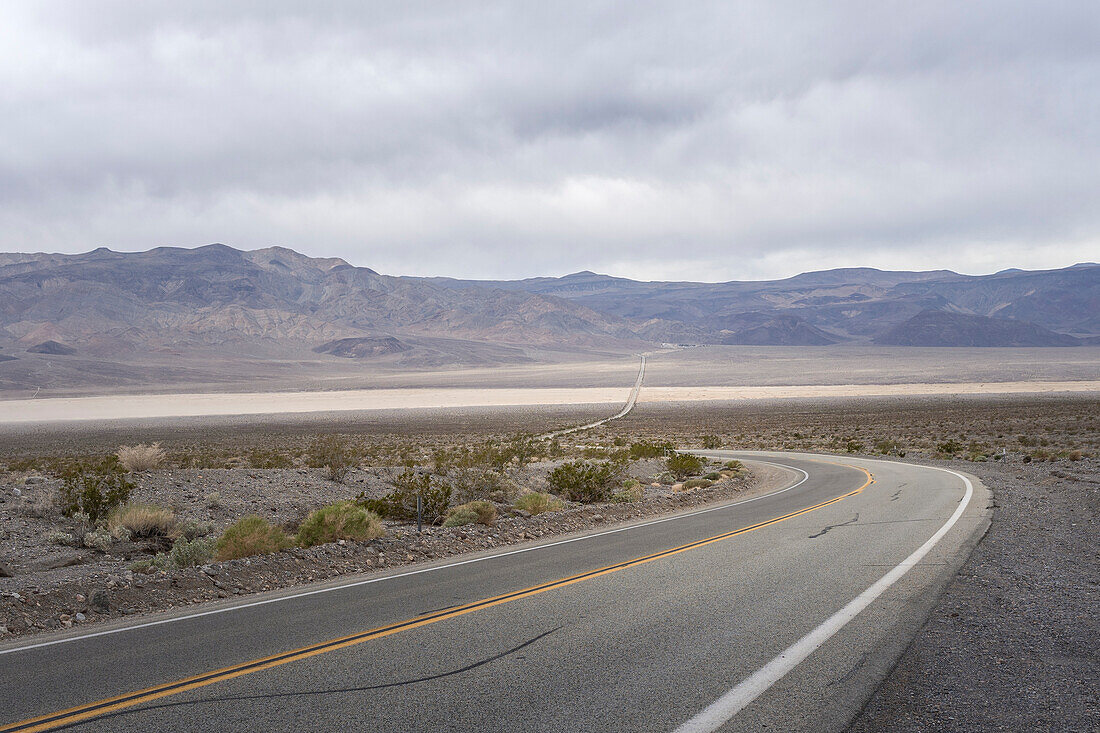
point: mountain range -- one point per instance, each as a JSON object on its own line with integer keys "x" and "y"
{"x": 275, "y": 301}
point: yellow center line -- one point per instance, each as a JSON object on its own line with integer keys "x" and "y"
{"x": 91, "y": 710}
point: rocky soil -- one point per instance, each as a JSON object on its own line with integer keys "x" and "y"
{"x": 1013, "y": 643}
{"x": 56, "y": 587}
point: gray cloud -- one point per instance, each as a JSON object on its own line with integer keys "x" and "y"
{"x": 659, "y": 140}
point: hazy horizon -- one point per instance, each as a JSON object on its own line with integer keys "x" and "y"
{"x": 557, "y": 274}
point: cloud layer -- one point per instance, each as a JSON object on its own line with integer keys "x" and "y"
{"x": 659, "y": 140}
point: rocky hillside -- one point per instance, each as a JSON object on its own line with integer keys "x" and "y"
{"x": 940, "y": 328}
{"x": 105, "y": 304}
{"x": 854, "y": 304}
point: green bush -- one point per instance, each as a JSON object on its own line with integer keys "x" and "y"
{"x": 335, "y": 455}
{"x": 697, "y": 483}
{"x": 535, "y": 502}
{"x": 264, "y": 458}
{"x": 94, "y": 488}
{"x": 60, "y": 538}
{"x": 886, "y": 447}
{"x": 713, "y": 476}
{"x": 711, "y": 442}
{"x": 631, "y": 491}
{"x": 949, "y": 447}
{"x": 251, "y": 536}
{"x": 192, "y": 530}
{"x": 646, "y": 449}
{"x": 683, "y": 465}
{"x": 435, "y": 498}
{"x": 584, "y": 481}
{"x": 733, "y": 465}
{"x": 160, "y": 561}
{"x": 459, "y": 516}
{"x": 471, "y": 483}
{"x": 98, "y": 539}
{"x": 344, "y": 520}
{"x": 188, "y": 553}
{"x": 482, "y": 512}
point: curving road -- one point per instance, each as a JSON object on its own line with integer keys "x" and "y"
{"x": 782, "y": 612}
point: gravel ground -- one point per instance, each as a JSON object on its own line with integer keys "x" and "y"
{"x": 1014, "y": 642}
{"x": 101, "y": 585}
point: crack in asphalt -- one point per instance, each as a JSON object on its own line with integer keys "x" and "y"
{"x": 306, "y": 693}
{"x": 826, "y": 530}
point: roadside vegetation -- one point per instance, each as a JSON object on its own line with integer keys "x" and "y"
{"x": 165, "y": 505}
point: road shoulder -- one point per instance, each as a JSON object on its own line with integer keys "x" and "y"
{"x": 1011, "y": 642}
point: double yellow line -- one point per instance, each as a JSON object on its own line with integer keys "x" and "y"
{"x": 112, "y": 704}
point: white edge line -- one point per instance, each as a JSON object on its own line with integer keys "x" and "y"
{"x": 721, "y": 710}
{"x": 369, "y": 581}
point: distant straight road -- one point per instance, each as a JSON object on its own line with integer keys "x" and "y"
{"x": 778, "y": 613}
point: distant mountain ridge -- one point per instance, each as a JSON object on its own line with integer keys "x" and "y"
{"x": 108, "y": 304}
{"x": 942, "y": 328}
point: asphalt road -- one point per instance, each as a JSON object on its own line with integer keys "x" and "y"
{"x": 627, "y": 642}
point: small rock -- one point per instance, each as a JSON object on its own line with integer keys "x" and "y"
{"x": 80, "y": 617}
{"x": 210, "y": 570}
{"x": 100, "y": 601}
{"x": 523, "y": 513}
{"x": 31, "y": 480}
{"x": 66, "y": 560}
{"x": 17, "y": 492}
{"x": 6, "y": 571}
{"x": 80, "y": 598}
{"x": 3, "y": 630}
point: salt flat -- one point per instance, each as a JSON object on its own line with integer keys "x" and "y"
{"x": 720, "y": 393}
{"x": 134, "y": 407}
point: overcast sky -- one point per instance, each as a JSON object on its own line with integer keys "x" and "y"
{"x": 678, "y": 140}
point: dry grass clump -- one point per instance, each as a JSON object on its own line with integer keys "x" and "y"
{"x": 482, "y": 512}
{"x": 140, "y": 457}
{"x": 538, "y": 503}
{"x": 344, "y": 520}
{"x": 631, "y": 491}
{"x": 142, "y": 520}
{"x": 251, "y": 536}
